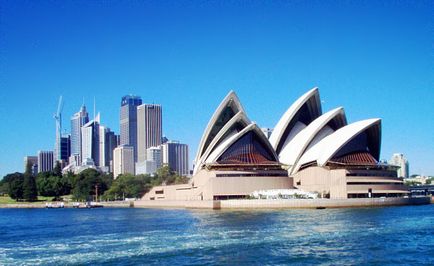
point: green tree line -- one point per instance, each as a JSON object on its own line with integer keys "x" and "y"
{"x": 85, "y": 185}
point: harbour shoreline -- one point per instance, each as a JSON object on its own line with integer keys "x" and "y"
{"x": 284, "y": 203}
{"x": 247, "y": 204}
{"x": 112, "y": 204}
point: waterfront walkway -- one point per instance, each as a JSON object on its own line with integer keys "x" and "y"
{"x": 283, "y": 203}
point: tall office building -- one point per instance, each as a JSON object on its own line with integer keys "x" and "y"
{"x": 45, "y": 161}
{"x": 107, "y": 143}
{"x": 65, "y": 148}
{"x": 123, "y": 160}
{"x": 90, "y": 142}
{"x": 398, "y": 159}
{"x": 149, "y": 128}
{"x": 128, "y": 121}
{"x": 175, "y": 155}
{"x": 33, "y": 161}
{"x": 78, "y": 120}
{"x": 152, "y": 163}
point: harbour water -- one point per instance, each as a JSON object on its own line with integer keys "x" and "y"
{"x": 133, "y": 236}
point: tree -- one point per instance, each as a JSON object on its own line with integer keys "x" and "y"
{"x": 128, "y": 186}
{"x": 15, "y": 188}
{"x": 165, "y": 175}
{"x": 30, "y": 191}
{"x": 4, "y": 184}
{"x": 66, "y": 181}
{"x": 57, "y": 170}
{"x": 54, "y": 184}
{"x": 84, "y": 184}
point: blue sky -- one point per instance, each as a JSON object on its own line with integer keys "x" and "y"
{"x": 375, "y": 59}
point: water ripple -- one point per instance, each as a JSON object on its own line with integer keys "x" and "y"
{"x": 371, "y": 236}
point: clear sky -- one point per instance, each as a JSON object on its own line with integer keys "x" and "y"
{"x": 375, "y": 59}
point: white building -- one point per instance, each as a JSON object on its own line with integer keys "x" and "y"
{"x": 307, "y": 150}
{"x": 398, "y": 159}
{"x": 77, "y": 121}
{"x": 152, "y": 163}
{"x": 90, "y": 141}
{"x": 123, "y": 160}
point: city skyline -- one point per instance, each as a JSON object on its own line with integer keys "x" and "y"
{"x": 383, "y": 72}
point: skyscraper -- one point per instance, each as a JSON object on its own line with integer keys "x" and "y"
{"x": 58, "y": 119}
{"x": 45, "y": 161}
{"x": 152, "y": 163}
{"x": 398, "y": 159}
{"x": 149, "y": 128}
{"x": 90, "y": 142}
{"x": 107, "y": 143}
{"x": 77, "y": 121}
{"x": 128, "y": 121}
{"x": 175, "y": 155}
{"x": 65, "y": 148}
{"x": 123, "y": 160}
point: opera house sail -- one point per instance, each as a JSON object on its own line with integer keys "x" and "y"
{"x": 308, "y": 150}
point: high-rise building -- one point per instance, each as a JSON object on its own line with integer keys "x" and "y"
{"x": 45, "y": 161}
{"x": 398, "y": 159}
{"x": 65, "y": 148}
{"x": 33, "y": 161}
{"x": 175, "y": 155}
{"x": 58, "y": 119}
{"x": 107, "y": 143}
{"x": 152, "y": 163}
{"x": 149, "y": 128}
{"x": 154, "y": 154}
{"x": 90, "y": 142}
{"x": 78, "y": 120}
{"x": 123, "y": 160}
{"x": 128, "y": 121}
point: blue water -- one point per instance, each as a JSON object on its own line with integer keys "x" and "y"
{"x": 371, "y": 236}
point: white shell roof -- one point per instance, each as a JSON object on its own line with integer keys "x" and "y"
{"x": 292, "y": 152}
{"x": 330, "y": 145}
{"x": 279, "y": 129}
{"x": 231, "y": 96}
{"x": 240, "y": 116}
{"x": 231, "y": 140}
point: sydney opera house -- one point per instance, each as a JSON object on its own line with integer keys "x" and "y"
{"x": 307, "y": 149}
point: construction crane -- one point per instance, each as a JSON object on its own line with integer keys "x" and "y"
{"x": 58, "y": 118}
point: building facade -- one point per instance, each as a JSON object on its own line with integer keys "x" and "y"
{"x": 175, "y": 155}
{"x": 33, "y": 162}
{"x": 307, "y": 150}
{"x": 45, "y": 161}
{"x": 90, "y": 141}
{"x": 128, "y": 121}
{"x": 65, "y": 148}
{"x": 149, "y": 128}
{"x": 123, "y": 160}
{"x": 78, "y": 120}
{"x": 107, "y": 144}
{"x": 398, "y": 159}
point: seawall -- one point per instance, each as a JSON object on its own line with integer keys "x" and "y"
{"x": 283, "y": 203}
{"x": 107, "y": 204}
